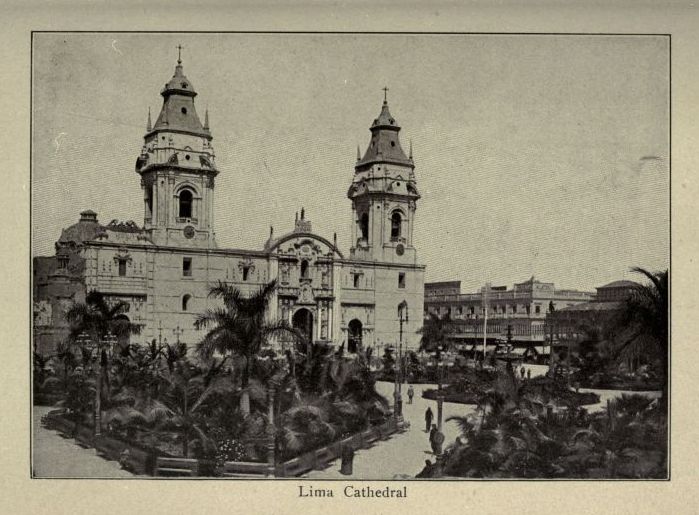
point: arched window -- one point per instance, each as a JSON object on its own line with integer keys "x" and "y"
{"x": 304, "y": 269}
{"x": 364, "y": 226}
{"x": 186, "y": 198}
{"x": 185, "y": 302}
{"x": 396, "y": 220}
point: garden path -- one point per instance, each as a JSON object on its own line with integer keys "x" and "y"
{"x": 404, "y": 454}
{"x": 57, "y": 457}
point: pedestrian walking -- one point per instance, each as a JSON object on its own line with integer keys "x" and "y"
{"x": 529, "y": 373}
{"x": 521, "y": 371}
{"x": 428, "y": 419}
{"x": 411, "y": 392}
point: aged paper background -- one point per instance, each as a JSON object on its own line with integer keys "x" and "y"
{"x": 19, "y": 494}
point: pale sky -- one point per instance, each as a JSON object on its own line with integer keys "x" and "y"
{"x": 535, "y": 155}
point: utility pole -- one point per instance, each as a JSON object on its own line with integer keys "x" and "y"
{"x": 486, "y": 294}
{"x": 551, "y": 310}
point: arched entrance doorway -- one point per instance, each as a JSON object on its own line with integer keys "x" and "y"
{"x": 303, "y": 322}
{"x": 354, "y": 342}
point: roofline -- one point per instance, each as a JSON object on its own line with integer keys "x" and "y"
{"x": 205, "y": 134}
{"x": 412, "y": 196}
{"x": 166, "y": 92}
{"x": 311, "y": 235}
{"x": 257, "y": 253}
{"x": 409, "y": 163}
{"x": 395, "y": 128}
{"x": 630, "y": 284}
{"x": 169, "y": 166}
{"x": 170, "y": 248}
{"x": 382, "y": 264}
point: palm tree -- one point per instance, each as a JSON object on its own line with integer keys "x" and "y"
{"x": 97, "y": 318}
{"x": 239, "y": 328}
{"x": 190, "y": 388}
{"x": 643, "y": 323}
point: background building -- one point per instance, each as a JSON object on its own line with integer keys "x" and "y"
{"x": 588, "y": 320}
{"x": 163, "y": 270}
{"x": 519, "y": 312}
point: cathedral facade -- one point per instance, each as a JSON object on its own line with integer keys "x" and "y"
{"x": 163, "y": 269}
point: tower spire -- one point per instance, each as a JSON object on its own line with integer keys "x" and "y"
{"x": 179, "y": 54}
{"x": 149, "y": 125}
{"x": 359, "y": 155}
{"x": 206, "y": 119}
{"x": 410, "y": 156}
{"x": 385, "y": 95}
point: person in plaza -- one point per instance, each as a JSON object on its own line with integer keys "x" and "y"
{"x": 521, "y": 371}
{"x": 411, "y": 392}
{"x": 428, "y": 419}
{"x": 436, "y": 440}
{"x": 529, "y": 373}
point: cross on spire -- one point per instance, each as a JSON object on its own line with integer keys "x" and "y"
{"x": 385, "y": 95}
{"x": 179, "y": 54}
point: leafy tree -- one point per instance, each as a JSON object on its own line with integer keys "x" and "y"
{"x": 388, "y": 363}
{"x": 435, "y": 333}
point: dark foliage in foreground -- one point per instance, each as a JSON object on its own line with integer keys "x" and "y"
{"x": 516, "y": 434}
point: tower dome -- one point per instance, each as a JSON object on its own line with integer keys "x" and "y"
{"x": 384, "y": 146}
{"x": 178, "y": 113}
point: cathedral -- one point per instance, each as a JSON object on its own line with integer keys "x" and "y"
{"x": 163, "y": 269}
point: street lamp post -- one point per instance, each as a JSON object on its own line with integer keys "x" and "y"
{"x": 398, "y": 401}
{"x": 271, "y": 432}
{"x": 440, "y": 393}
{"x": 103, "y": 346}
{"x": 86, "y": 341}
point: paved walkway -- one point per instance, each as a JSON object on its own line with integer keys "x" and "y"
{"x": 403, "y": 455}
{"x": 54, "y": 456}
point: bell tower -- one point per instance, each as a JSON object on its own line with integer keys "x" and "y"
{"x": 177, "y": 168}
{"x": 384, "y": 195}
